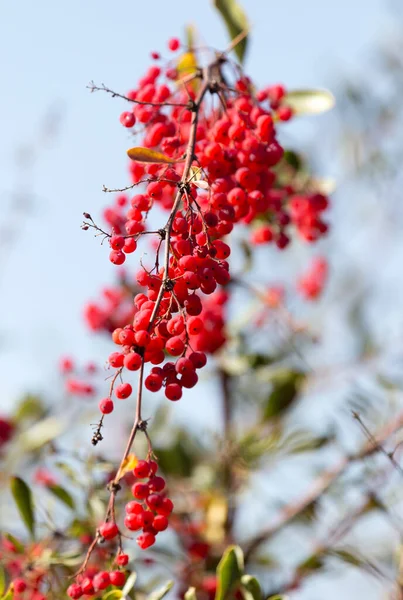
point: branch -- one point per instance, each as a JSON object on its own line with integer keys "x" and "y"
{"x": 94, "y": 88}
{"x": 322, "y": 483}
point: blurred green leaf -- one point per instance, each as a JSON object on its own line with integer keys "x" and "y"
{"x": 23, "y": 498}
{"x": 19, "y": 547}
{"x": 2, "y": 580}
{"x": 229, "y": 572}
{"x": 191, "y": 594}
{"x": 310, "y": 102}
{"x": 131, "y": 580}
{"x": 179, "y": 458}
{"x": 62, "y": 494}
{"x": 113, "y": 595}
{"x": 236, "y": 22}
{"x": 40, "y": 434}
{"x": 30, "y": 407}
{"x": 312, "y": 563}
{"x": 348, "y": 557}
{"x": 250, "y": 588}
{"x": 286, "y": 385}
{"x": 9, "y": 594}
{"x": 161, "y": 592}
{"x": 293, "y": 159}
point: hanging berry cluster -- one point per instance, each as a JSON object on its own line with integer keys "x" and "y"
{"x": 210, "y": 157}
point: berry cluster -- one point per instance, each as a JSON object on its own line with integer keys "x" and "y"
{"x": 95, "y": 581}
{"x": 151, "y": 509}
{"x": 311, "y": 284}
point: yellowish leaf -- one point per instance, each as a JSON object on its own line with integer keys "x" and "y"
{"x": 145, "y": 155}
{"x": 129, "y": 464}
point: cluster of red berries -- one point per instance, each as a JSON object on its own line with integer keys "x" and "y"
{"x": 94, "y": 581}
{"x": 312, "y": 283}
{"x": 150, "y": 510}
{"x": 76, "y": 383}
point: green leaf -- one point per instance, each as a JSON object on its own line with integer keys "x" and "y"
{"x": 250, "y": 588}
{"x": 161, "y": 592}
{"x": 2, "y": 580}
{"x": 130, "y": 581}
{"x": 62, "y": 494}
{"x": 293, "y": 159}
{"x": 19, "y": 547}
{"x": 229, "y": 572}
{"x": 30, "y": 407}
{"x": 145, "y": 155}
{"x": 113, "y": 595}
{"x": 191, "y": 594}
{"x": 310, "y": 102}
{"x": 286, "y": 385}
{"x": 40, "y": 434}
{"x": 23, "y": 498}
{"x": 278, "y": 597}
{"x": 236, "y": 22}
{"x": 9, "y": 594}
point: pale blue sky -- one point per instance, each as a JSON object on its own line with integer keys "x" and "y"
{"x": 50, "y": 51}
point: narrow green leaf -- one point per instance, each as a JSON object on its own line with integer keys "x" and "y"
{"x": 9, "y": 594}
{"x": 23, "y": 498}
{"x": 278, "y": 597}
{"x": 310, "y": 102}
{"x": 161, "y": 592}
{"x": 19, "y": 547}
{"x": 229, "y": 572}
{"x": 235, "y": 21}
{"x": 41, "y": 434}
{"x": 129, "y": 585}
{"x": 191, "y": 594}
{"x": 62, "y": 494}
{"x": 250, "y": 588}
{"x": 2, "y": 580}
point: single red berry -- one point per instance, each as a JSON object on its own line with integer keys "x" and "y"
{"x": 116, "y": 359}
{"x": 175, "y": 346}
{"x": 160, "y": 523}
{"x": 117, "y": 257}
{"x": 127, "y": 119}
{"x": 173, "y": 391}
{"x": 153, "y": 382}
{"x": 140, "y": 491}
{"x": 117, "y": 242}
{"x": 199, "y": 359}
{"x": 74, "y": 591}
{"x": 173, "y": 44}
{"x": 142, "y": 469}
{"x": 130, "y": 245}
{"x": 154, "y": 501}
{"x": 156, "y": 484}
{"x": 133, "y": 522}
{"x": 285, "y": 113}
{"x": 106, "y": 406}
{"x": 166, "y": 507}
{"x": 132, "y": 361}
{"x": 117, "y": 578}
{"x": 145, "y": 540}
{"x": 122, "y": 559}
{"x": 108, "y": 530}
{"x": 101, "y": 580}
{"x": 153, "y": 467}
{"x": 147, "y": 518}
{"x": 87, "y": 587}
{"x": 20, "y": 586}
{"x": 133, "y": 508}
{"x": 126, "y": 337}
{"x": 194, "y": 325}
{"x": 123, "y": 391}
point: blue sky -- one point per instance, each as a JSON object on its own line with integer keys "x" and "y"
{"x": 51, "y": 50}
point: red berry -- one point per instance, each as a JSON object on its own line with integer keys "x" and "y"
{"x": 117, "y": 257}
{"x": 123, "y": 391}
{"x": 132, "y": 361}
{"x": 117, "y": 242}
{"x": 133, "y": 522}
{"x": 20, "y": 586}
{"x": 142, "y": 469}
{"x": 175, "y": 346}
{"x": 160, "y": 523}
{"x": 127, "y": 119}
{"x": 173, "y": 44}
{"x": 153, "y": 382}
{"x": 133, "y": 508}
{"x": 173, "y": 391}
{"x": 117, "y": 578}
{"x": 145, "y": 540}
{"x": 101, "y": 580}
{"x": 154, "y": 501}
{"x": 166, "y": 507}
{"x": 116, "y": 359}
{"x": 87, "y": 587}
{"x": 122, "y": 560}
{"x": 194, "y": 325}
{"x": 75, "y": 590}
{"x": 199, "y": 359}
{"x": 156, "y": 484}
{"x": 140, "y": 491}
{"x": 130, "y": 245}
{"x": 108, "y": 530}
{"x": 106, "y": 406}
